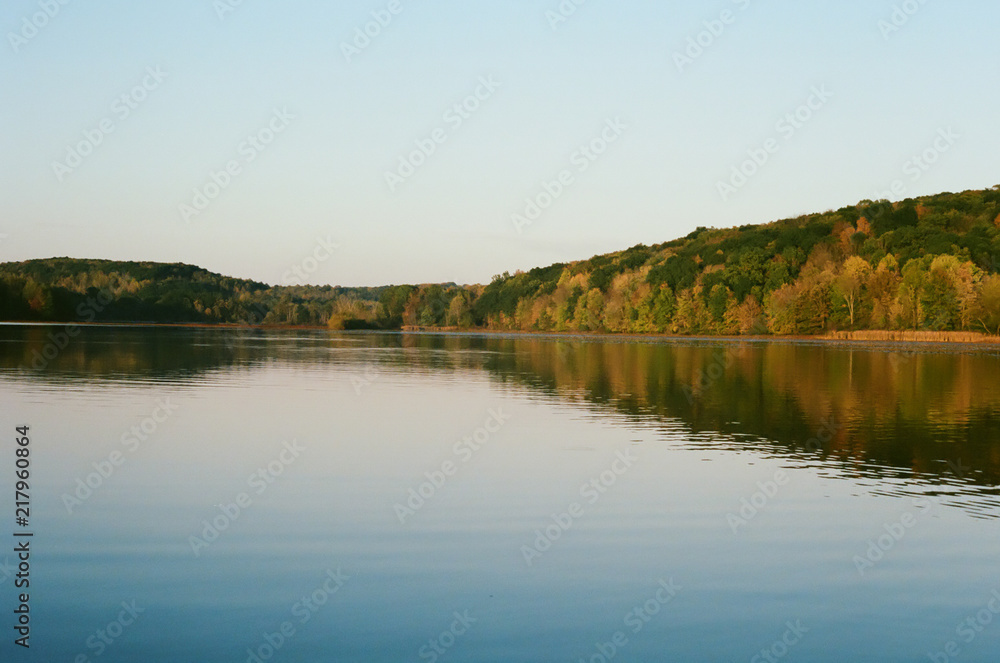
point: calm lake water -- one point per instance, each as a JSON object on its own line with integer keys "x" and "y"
{"x": 303, "y": 496}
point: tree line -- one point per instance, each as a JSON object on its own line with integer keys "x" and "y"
{"x": 929, "y": 263}
{"x": 925, "y": 264}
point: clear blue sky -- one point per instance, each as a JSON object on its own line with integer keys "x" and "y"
{"x": 324, "y": 173}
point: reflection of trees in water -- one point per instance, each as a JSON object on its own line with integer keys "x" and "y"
{"x": 892, "y": 413}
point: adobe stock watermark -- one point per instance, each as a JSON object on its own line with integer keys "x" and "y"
{"x": 454, "y": 118}
{"x": 827, "y": 431}
{"x": 968, "y": 630}
{"x": 225, "y": 7}
{"x": 105, "y": 468}
{"x": 248, "y": 150}
{"x": 32, "y": 25}
{"x": 635, "y": 620}
{"x": 751, "y": 507}
{"x": 103, "y": 638}
{"x": 299, "y": 274}
{"x": 715, "y": 28}
{"x": 366, "y": 34}
{"x": 463, "y": 451}
{"x": 121, "y": 108}
{"x": 365, "y": 379}
{"x": 259, "y": 481}
{"x": 303, "y": 611}
{"x": 439, "y": 645}
{"x": 563, "y": 12}
{"x": 591, "y": 492}
{"x": 780, "y": 648}
{"x": 580, "y": 162}
{"x": 6, "y": 570}
{"x": 958, "y": 469}
{"x": 900, "y": 17}
{"x": 758, "y": 501}
{"x": 57, "y": 342}
{"x": 879, "y": 547}
{"x": 919, "y": 164}
{"x": 787, "y": 127}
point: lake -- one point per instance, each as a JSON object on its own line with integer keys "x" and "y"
{"x": 259, "y": 495}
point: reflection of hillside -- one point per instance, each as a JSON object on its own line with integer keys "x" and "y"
{"x": 105, "y": 352}
{"x": 898, "y": 414}
{"x": 895, "y": 413}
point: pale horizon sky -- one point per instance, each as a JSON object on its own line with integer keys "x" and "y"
{"x": 200, "y": 77}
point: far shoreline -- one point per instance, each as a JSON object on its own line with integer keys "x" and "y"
{"x": 860, "y": 338}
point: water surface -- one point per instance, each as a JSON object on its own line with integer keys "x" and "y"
{"x": 841, "y": 497}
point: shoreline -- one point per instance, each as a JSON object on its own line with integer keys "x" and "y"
{"x": 950, "y": 339}
{"x": 866, "y": 337}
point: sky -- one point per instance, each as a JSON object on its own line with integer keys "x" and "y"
{"x": 394, "y": 141}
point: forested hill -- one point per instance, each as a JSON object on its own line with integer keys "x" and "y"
{"x": 70, "y": 290}
{"x": 926, "y": 263}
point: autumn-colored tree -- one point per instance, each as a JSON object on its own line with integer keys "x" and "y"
{"x": 39, "y": 299}
{"x": 814, "y": 304}
{"x": 748, "y": 317}
{"x": 883, "y": 287}
{"x": 780, "y": 308}
{"x": 411, "y": 311}
{"x": 908, "y": 308}
{"x": 592, "y": 311}
{"x": 459, "y": 311}
{"x": 690, "y": 316}
{"x": 851, "y": 281}
{"x": 616, "y": 305}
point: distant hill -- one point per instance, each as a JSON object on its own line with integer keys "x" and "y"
{"x": 68, "y": 289}
{"x": 928, "y": 263}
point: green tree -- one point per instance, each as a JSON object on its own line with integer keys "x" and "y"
{"x": 718, "y": 302}
{"x": 662, "y": 309}
{"x": 949, "y": 292}
{"x": 986, "y": 310}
